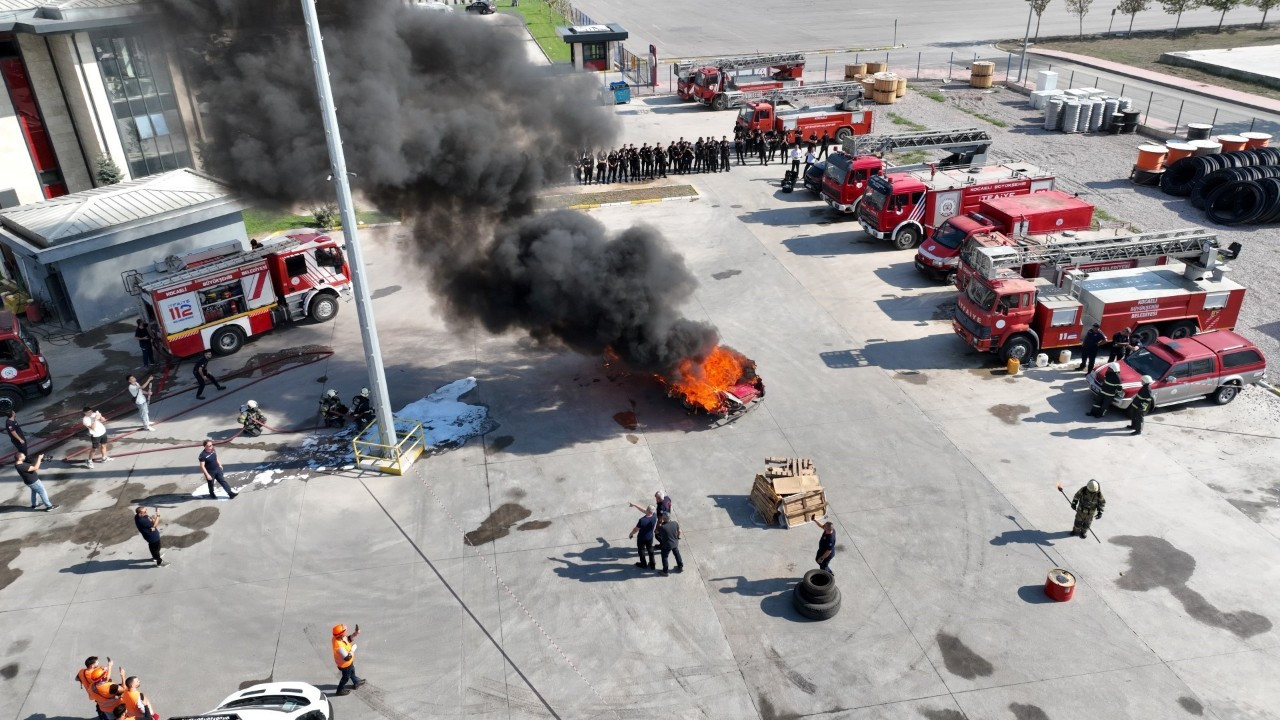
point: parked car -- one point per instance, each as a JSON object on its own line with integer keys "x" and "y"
{"x": 483, "y": 7}
{"x": 1216, "y": 364}
{"x": 271, "y": 701}
{"x": 813, "y": 176}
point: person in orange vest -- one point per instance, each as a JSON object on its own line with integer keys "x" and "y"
{"x": 135, "y": 701}
{"x": 108, "y": 697}
{"x": 344, "y": 656}
{"x": 89, "y": 677}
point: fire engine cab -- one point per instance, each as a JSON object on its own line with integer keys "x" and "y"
{"x": 216, "y": 298}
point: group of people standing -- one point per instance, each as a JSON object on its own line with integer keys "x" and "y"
{"x": 111, "y": 700}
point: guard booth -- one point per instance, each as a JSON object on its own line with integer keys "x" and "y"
{"x": 591, "y": 46}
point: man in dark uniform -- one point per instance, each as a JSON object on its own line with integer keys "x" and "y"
{"x": 724, "y": 153}
{"x": 1109, "y": 388}
{"x": 661, "y": 158}
{"x": 602, "y": 165}
{"x": 645, "y": 527}
{"x": 613, "y": 166}
{"x": 1135, "y": 344}
{"x": 762, "y": 146}
{"x": 671, "y": 157}
{"x": 587, "y": 165}
{"x": 740, "y": 148}
{"x": 826, "y": 545}
{"x": 1087, "y": 501}
{"x": 203, "y": 376}
{"x": 646, "y": 162}
{"x": 697, "y": 156}
{"x": 1089, "y": 351}
{"x": 623, "y": 164}
{"x": 1119, "y": 342}
{"x": 823, "y": 143}
{"x": 687, "y": 158}
{"x": 668, "y": 536}
{"x": 1141, "y": 405}
{"x": 634, "y": 156}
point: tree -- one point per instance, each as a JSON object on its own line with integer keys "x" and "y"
{"x": 1177, "y": 7}
{"x": 1265, "y": 6}
{"x": 1038, "y": 6}
{"x": 1080, "y": 8}
{"x": 1132, "y": 8}
{"x": 106, "y": 171}
{"x": 1224, "y": 6}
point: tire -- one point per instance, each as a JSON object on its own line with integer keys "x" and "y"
{"x": 1148, "y": 333}
{"x": 1181, "y": 330}
{"x": 720, "y": 102}
{"x": 951, "y": 278}
{"x": 1019, "y": 346}
{"x": 10, "y": 399}
{"x": 819, "y": 585}
{"x": 816, "y": 611}
{"x": 227, "y": 341}
{"x": 323, "y": 308}
{"x": 906, "y": 238}
{"x": 843, "y": 134}
{"x": 1225, "y": 394}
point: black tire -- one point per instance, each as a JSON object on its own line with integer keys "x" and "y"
{"x": 1148, "y": 333}
{"x": 323, "y": 308}
{"x": 819, "y": 584}
{"x": 1181, "y": 330}
{"x": 951, "y": 278}
{"x": 227, "y": 341}
{"x": 843, "y": 134}
{"x": 720, "y": 102}
{"x": 1018, "y": 346}
{"x": 10, "y": 399}
{"x": 816, "y": 611}
{"x": 1225, "y": 394}
{"x": 906, "y": 238}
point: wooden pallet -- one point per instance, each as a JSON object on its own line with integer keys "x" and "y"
{"x": 790, "y": 509}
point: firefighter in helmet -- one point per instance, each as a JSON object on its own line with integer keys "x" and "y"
{"x": 361, "y": 409}
{"x": 1088, "y": 504}
{"x": 1109, "y": 388}
{"x": 332, "y": 409}
{"x": 251, "y": 419}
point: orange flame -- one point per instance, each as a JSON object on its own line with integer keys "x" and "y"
{"x": 701, "y": 383}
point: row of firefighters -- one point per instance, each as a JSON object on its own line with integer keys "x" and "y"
{"x": 710, "y": 155}
{"x": 333, "y": 412}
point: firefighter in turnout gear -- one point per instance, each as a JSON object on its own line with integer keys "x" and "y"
{"x": 361, "y": 409}
{"x": 1088, "y": 504}
{"x": 1109, "y": 388}
{"x": 1141, "y": 405}
{"x": 332, "y": 409}
{"x": 251, "y": 419}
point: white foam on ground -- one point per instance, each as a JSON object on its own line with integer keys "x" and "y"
{"x": 446, "y": 421}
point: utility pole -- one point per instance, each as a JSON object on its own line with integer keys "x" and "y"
{"x": 1026, "y": 38}
{"x": 346, "y": 209}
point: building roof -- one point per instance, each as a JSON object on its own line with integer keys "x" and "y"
{"x": 603, "y": 32}
{"x": 63, "y": 16}
{"x": 184, "y": 195}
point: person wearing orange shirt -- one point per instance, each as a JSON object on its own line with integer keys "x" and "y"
{"x": 344, "y": 656}
{"x": 107, "y": 695}
{"x": 135, "y": 701}
{"x": 89, "y": 677}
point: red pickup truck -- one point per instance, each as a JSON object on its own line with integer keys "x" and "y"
{"x": 1215, "y": 364}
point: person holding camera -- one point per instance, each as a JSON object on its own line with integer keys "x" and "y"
{"x": 149, "y": 527}
{"x": 30, "y": 474}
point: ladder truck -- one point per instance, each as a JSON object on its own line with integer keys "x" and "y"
{"x": 862, "y": 158}
{"x": 846, "y": 119}
{"x": 711, "y": 83}
{"x": 1002, "y": 312}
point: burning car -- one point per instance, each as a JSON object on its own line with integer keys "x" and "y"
{"x": 722, "y": 385}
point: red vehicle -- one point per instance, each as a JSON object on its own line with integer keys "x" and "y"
{"x": 24, "y": 373}
{"x": 904, "y": 207}
{"x": 1002, "y": 312}
{"x": 1011, "y": 217}
{"x": 847, "y": 172}
{"x": 713, "y": 83}
{"x": 1215, "y": 365}
{"x": 802, "y": 123}
{"x": 215, "y": 299}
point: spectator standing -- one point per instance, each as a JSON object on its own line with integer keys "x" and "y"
{"x": 89, "y": 677}
{"x": 14, "y": 430}
{"x": 1089, "y": 351}
{"x": 644, "y": 542}
{"x": 212, "y": 470}
{"x": 826, "y": 545}
{"x": 141, "y": 393}
{"x": 30, "y": 474}
{"x": 97, "y": 427}
{"x": 136, "y": 703}
{"x": 661, "y": 503}
{"x": 795, "y": 160}
{"x": 203, "y": 376}
{"x": 669, "y": 541}
{"x": 809, "y": 159}
{"x": 822, "y": 145}
{"x": 143, "y": 337}
{"x": 344, "y": 656}
{"x": 149, "y": 528}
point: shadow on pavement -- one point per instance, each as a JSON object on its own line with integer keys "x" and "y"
{"x": 780, "y": 606}
{"x": 754, "y": 588}
{"x": 739, "y": 509}
{"x": 597, "y": 572}
{"x": 89, "y": 567}
{"x": 1034, "y": 594}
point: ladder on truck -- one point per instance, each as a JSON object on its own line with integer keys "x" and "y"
{"x": 845, "y": 89}
{"x": 1067, "y": 250}
{"x": 970, "y": 142}
{"x": 135, "y": 282}
{"x": 739, "y": 62}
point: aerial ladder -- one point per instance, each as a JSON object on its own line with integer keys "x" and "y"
{"x": 968, "y": 146}
{"x": 737, "y": 63}
{"x": 849, "y": 92}
{"x": 1196, "y": 248}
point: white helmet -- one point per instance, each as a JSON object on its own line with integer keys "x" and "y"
{"x": 1092, "y": 485}
{"x": 1113, "y": 367}
{"x": 1146, "y": 380}
{"x": 331, "y": 393}
{"x": 252, "y": 404}
{"x": 364, "y": 392}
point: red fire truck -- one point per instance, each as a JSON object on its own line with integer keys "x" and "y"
{"x": 216, "y": 298}
{"x": 842, "y": 121}
{"x": 24, "y": 373}
{"x": 862, "y": 158}
{"x": 1007, "y": 217}
{"x": 904, "y": 207}
{"x": 1002, "y": 312}
{"x": 714, "y": 82}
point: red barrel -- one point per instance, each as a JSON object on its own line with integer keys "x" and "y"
{"x": 1060, "y": 585}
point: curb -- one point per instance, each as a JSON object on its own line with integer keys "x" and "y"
{"x": 646, "y": 201}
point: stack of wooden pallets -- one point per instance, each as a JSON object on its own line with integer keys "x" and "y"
{"x": 788, "y": 492}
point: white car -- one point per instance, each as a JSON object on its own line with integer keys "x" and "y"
{"x": 271, "y": 701}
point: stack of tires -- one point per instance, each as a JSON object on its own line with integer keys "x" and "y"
{"x": 1233, "y": 188}
{"x": 816, "y": 596}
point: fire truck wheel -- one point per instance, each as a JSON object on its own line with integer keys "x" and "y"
{"x": 227, "y": 341}
{"x": 1019, "y": 346}
{"x": 816, "y": 611}
{"x": 10, "y": 400}
{"x": 906, "y": 238}
{"x": 1226, "y": 394}
{"x": 843, "y": 134}
{"x": 951, "y": 278}
{"x": 720, "y": 103}
{"x": 1182, "y": 330}
{"x": 324, "y": 308}
{"x": 1148, "y": 333}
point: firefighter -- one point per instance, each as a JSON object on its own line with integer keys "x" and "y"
{"x": 623, "y": 164}
{"x": 1119, "y": 342}
{"x": 1109, "y": 388}
{"x": 646, "y": 162}
{"x": 601, "y": 161}
{"x": 660, "y": 157}
{"x": 1087, "y": 501}
{"x": 361, "y": 409}
{"x": 634, "y": 156}
{"x": 251, "y": 419}
{"x": 762, "y": 145}
{"x": 1135, "y": 344}
{"x": 587, "y": 166}
{"x": 697, "y": 156}
{"x": 1141, "y": 405}
{"x": 739, "y": 148}
{"x": 822, "y": 145}
{"x": 1089, "y": 351}
{"x": 613, "y": 166}
{"x": 332, "y": 409}
{"x": 724, "y": 153}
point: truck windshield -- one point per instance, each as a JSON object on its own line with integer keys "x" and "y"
{"x": 948, "y": 235}
{"x": 744, "y": 116}
{"x": 981, "y": 295}
{"x": 1148, "y": 363}
{"x": 837, "y": 169}
{"x": 874, "y": 197}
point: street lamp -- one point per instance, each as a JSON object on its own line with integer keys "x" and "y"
{"x": 364, "y": 303}
{"x": 1022, "y": 60}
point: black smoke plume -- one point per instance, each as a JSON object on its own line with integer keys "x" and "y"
{"x": 443, "y": 117}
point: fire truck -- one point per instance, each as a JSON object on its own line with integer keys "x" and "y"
{"x": 715, "y": 84}
{"x": 842, "y": 121}
{"x": 904, "y": 207}
{"x": 1002, "y": 312}
{"x": 24, "y": 372}
{"x": 1007, "y": 217}
{"x": 864, "y": 157}
{"x": 216, "y": 298}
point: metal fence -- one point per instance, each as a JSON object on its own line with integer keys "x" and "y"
{"x": 571, "y": 13}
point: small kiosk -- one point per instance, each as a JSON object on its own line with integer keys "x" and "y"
{"x": 591, "y": 46}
